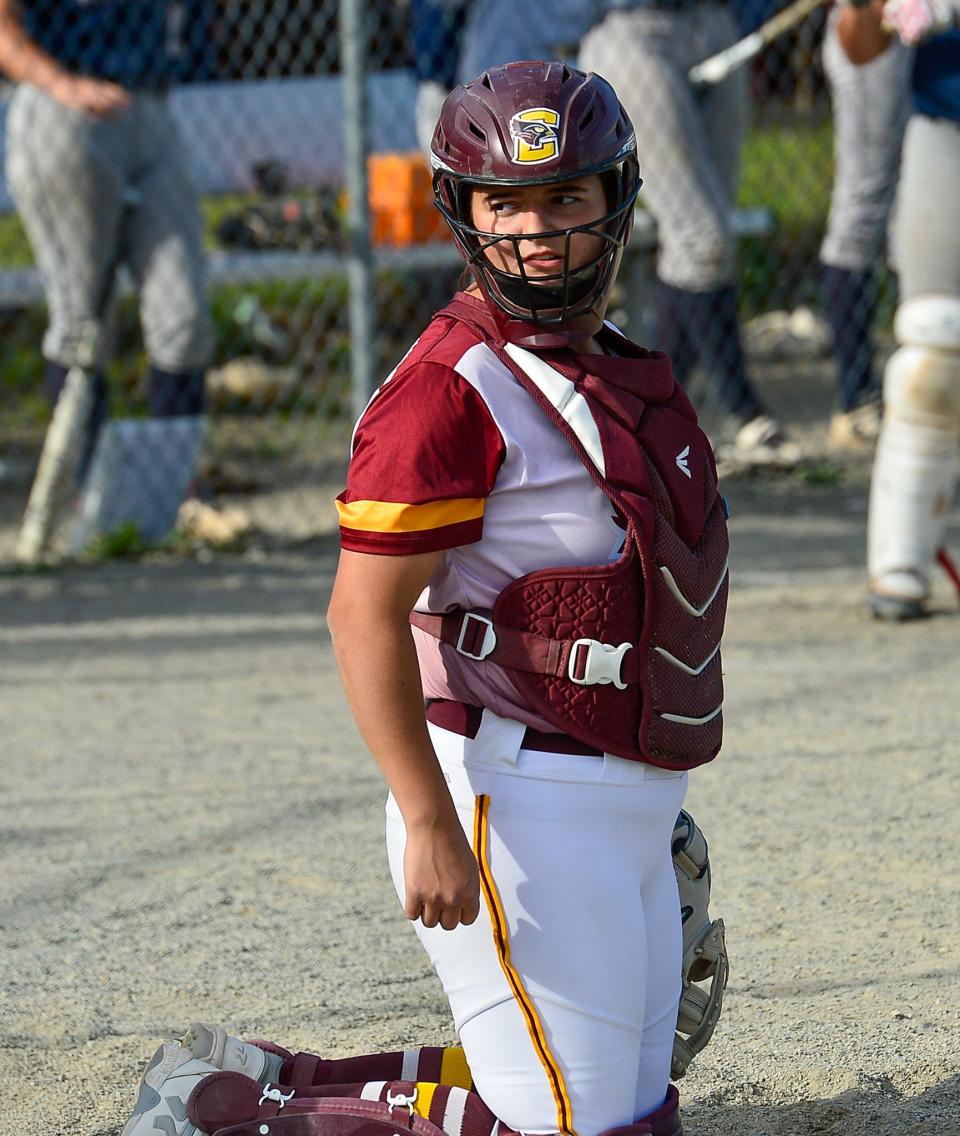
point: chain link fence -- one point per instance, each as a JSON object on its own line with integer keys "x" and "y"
{"x": 176, "y": 216}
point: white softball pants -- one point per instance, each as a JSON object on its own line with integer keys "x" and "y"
{"x": 565, "y": 990}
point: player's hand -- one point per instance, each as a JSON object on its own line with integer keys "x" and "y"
{"x": 916, "y": 20}
{"x": 97, "y": 98}
{"x": 441, "y": 878}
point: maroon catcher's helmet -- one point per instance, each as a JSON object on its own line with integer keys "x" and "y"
{"x": 535, "y": 123}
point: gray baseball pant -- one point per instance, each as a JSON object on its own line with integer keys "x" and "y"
{"x": 69, "y": 175}
{"x": 871, "y": 104}
{"x": 688, "y": 143}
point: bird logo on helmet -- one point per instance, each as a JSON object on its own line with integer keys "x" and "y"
{"x": 538, "y": 123}
{"x": 535, "y": 135}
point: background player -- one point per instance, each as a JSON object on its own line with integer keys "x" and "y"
{"x": 459, "y": 486}
{"x": 528, "y": 479}
{"x": 915, "y": 470}
{"x": 692, "y": 141}
{"x": 89, "y": 131}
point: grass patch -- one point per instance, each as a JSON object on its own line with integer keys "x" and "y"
{"x": 124, "y": 542}
{"x": 787, "y": 167}
{"x": 820, "y": 475}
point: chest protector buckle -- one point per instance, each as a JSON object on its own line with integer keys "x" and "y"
{"x": 593, "y": 662}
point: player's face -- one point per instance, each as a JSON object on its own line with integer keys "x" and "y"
{"x": 516, "y": 210}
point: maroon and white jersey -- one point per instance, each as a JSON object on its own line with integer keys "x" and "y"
{"x": 453, "y": 454}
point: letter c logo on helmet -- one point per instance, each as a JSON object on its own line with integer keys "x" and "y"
{"x": 535, "y": 135}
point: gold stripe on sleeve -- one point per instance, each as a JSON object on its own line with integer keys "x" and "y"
{"x": 501, "y": 937}
{"x": 398, "y": 517}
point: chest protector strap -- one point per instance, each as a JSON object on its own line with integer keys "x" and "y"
{"x": 624, "y": 656}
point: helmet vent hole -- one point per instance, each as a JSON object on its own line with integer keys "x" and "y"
{"x": 587, "y": 119}
{"x": 485, "y": 81}
{"x": 477, "y": 132}
{"x": 565, "y": 75}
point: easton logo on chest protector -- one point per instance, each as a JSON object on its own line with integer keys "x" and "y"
{"x": 623, "y": 656}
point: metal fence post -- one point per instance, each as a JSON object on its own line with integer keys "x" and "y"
{"x": 353, "y": 47}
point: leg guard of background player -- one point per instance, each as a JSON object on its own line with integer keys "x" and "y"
{"x": 704, "y": 947}
{"x": 176, "y": 394}
{"x": 915, "y": 470}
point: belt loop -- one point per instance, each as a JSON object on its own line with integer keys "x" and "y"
{"x": 498, "y": 741}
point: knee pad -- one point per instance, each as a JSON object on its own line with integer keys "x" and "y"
{"x": 915, "y": 469}
{"x": 922, "y": 378}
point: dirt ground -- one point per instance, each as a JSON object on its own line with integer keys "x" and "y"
{"x": 192, "y": 830}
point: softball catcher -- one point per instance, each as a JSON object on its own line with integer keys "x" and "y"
{"x": 527, "y": 619}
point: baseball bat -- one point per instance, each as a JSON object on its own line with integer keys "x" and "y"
{"x": 719, "y": 66}
{"x": 60, "y": 457}
{"x": 57, "y": 468}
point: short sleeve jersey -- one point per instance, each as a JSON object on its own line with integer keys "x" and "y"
{"x": 425, "y": 456}
{"x": 453, "y": 454}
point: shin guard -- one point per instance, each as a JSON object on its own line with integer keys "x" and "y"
{"x": 915, "y": 470}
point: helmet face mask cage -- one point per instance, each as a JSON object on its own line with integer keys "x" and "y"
{"x": 534, "y": 124}
{"x": 554, "y": 299}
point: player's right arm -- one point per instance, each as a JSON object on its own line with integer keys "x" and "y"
{"x": 377, "y": 660}
{"x": 424, "y": 459}
{"x": 24, "y": 61}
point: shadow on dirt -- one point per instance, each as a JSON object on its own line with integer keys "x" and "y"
{"x": 875, "y": 1107}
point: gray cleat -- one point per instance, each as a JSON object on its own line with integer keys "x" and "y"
{"x": 216, "y": 1047}
{"x": 167, "y": 1082}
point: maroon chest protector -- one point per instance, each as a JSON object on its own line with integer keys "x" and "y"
{"x": 624, "y": 656}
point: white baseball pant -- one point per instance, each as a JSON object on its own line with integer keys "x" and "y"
{"x": 565, "y": 990}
